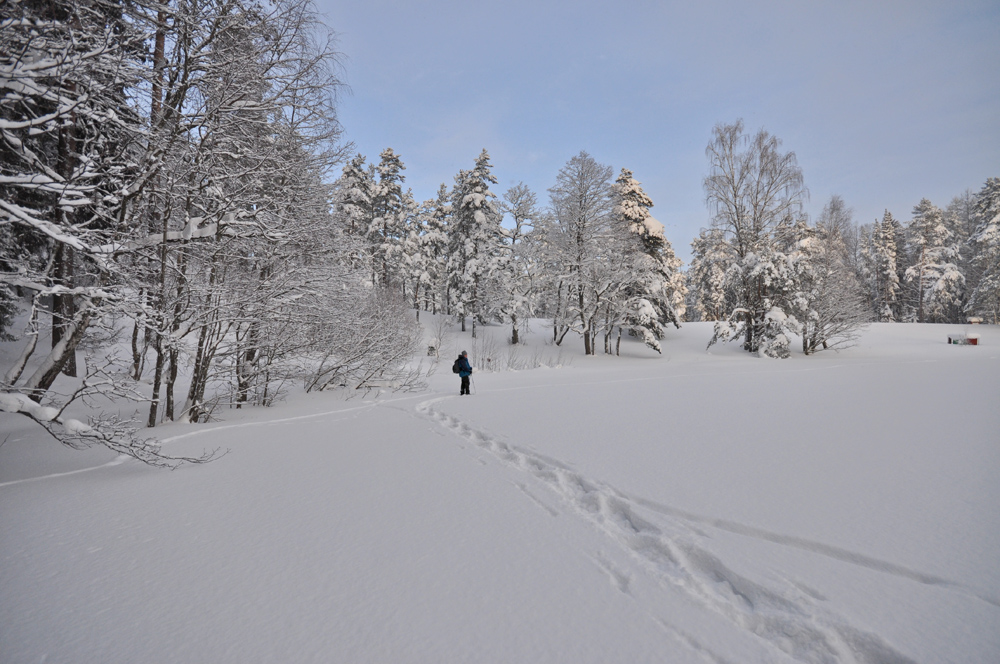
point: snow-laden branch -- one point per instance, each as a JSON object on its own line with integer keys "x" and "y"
{"x": 110, "y": 431}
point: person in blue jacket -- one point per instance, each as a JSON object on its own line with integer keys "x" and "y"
{"x": 464, "y": 370}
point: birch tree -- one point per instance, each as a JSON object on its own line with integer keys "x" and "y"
{"x": 752, "y": 187}
{"x": 581, "y": 208}
{"x": 827, "y": 302}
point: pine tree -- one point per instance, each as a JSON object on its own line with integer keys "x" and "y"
{"x": 656, "y": 292}
{"x": 434, "y": 249}
{"x": 414, "y": 262}
{"x": 424, "y": 251}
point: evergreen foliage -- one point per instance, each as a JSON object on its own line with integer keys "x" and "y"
{"x": 933, "y": 273}
{"x": 476, "y": 249}
{"x": 984, "y": 298}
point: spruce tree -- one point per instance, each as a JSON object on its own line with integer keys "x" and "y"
{"x": 885, "y": 269}
{"x": 433, "y": 247}
{"x": 355, "y": 191}
{"x": 475, "y": 240}
{"x": 933, "y": 272}
{"x": 391, "y": 210}
{"x": 984, "y": 298}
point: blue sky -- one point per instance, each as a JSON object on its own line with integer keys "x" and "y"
{"x": 883, "y": 102}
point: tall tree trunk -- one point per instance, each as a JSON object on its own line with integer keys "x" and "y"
{"x": 171, "y": 380}
{"x": 161, "y": 321}
{"x": 244, "y": 363}
{"x": 156, "y": 108}
{"x": 203, "y": 356}
{"x": 136, "y": 355}
{"x": 159, "y": 63}
{"x": 14, "y": 373}
{"x": 58, "y": 323}
{"x": 920, "y": 289}
{"x": 154, "y": 402}
{"x": 199, "y": 378}
{"x": 63, "y": 305}
{"x": 46, "y": 374}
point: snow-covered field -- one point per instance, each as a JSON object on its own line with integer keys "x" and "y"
{"x": 691, "y": 507}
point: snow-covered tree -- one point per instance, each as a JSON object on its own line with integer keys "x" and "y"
{"x": 392, "y": 208}
{"x": 476, "y": 248}
{"x": 772, "y": 271}
{"x": 752, "y": 187}
{"x": 984, "y": 298}
{"x": 247, "y": 98}
{"x": 70, "y": 141}
{"x": 355, "y": 190}
{"x": 883, "y": 259}
{"x": 67, "y": 132}
{"x": 185, "y": 189}
{"x": 659, "y": 279}
{"x": 580, "y": 243}
{"x": 517, "y": 282}
{"x": 434, "y": 251}
{"x": 711, "y": 256}
{"x": 827, "y": 301}
{"x": 933, "y": 270}
{"x": 837, "y": 218}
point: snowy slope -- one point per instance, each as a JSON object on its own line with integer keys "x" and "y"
{"x": 686, "y": 508}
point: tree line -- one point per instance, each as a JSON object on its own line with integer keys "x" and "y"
{"x": 594, "y": 261}
{"x": 763, "y": 272}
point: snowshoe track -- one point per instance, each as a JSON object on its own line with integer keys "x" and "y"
{"x": 792, "y": 621}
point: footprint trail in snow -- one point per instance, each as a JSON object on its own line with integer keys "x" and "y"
{"x": 669, "y": 552}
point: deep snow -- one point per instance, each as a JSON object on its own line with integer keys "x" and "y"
{"x": 691, "y": 507}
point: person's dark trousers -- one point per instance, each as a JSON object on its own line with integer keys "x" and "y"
{"x": 465, "y": 385}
